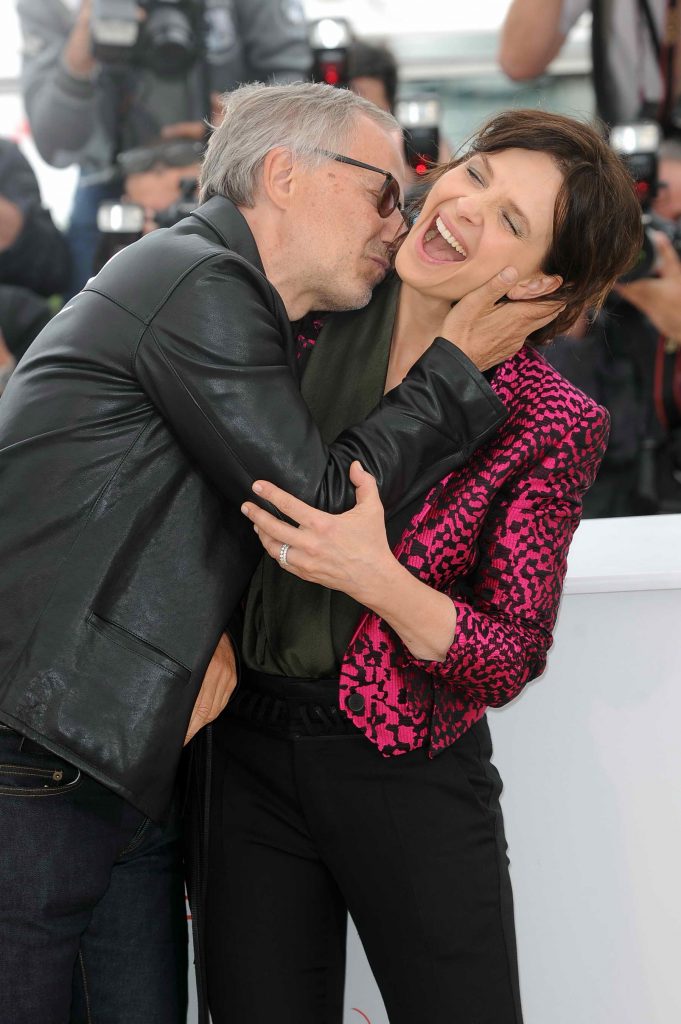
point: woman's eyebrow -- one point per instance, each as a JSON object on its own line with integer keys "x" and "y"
{"x": 513, "y": 207}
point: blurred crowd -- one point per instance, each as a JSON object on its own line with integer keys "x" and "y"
{"x": 132, "y": 109}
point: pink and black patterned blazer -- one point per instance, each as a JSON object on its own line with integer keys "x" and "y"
{"x": 493, "y": 535}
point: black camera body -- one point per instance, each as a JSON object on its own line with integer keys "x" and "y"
{"x": 168, "y": 37}
{"x": 329, "y": 40}
{"x": 121, "y": 223}
{"x": 638, "y": 145}
{"x": 182, "y": 207}
{"x": 419, "y": 117}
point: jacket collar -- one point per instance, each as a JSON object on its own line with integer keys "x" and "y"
{"x": 226, "y": 221}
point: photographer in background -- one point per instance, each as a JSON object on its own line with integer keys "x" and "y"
{"x": 630, "y": 358}
{"x": 657, "y": 301}
{"x": 84, "y": 110}
{"x": 372, "y": 73}
{"x": 34, "y": 258}
{"x": 635, "y": 62}
{"x": 158, "y": 188}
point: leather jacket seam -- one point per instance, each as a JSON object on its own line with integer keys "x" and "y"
{"x": 146, "y": 320}
{"x": 114, "y": 302}
{"x": 178, "y": 281}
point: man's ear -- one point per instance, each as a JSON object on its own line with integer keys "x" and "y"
{"x": 277, "y": 176}
{"x": 535, "y": 286}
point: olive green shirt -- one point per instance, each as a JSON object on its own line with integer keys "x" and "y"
{"x": 295, "y": 628}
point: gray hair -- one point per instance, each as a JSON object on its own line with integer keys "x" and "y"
{"x": 305, "y": 117}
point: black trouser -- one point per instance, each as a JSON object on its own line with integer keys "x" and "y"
{"x": 308, "y": 819}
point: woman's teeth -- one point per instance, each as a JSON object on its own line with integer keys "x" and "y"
{"x": 447, "y": 235}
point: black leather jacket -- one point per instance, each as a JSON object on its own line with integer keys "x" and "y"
{"x": 129, "y": 435}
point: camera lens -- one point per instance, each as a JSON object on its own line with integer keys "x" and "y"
{"x": 172, "y": 42}
{"x": 645, "y": 263}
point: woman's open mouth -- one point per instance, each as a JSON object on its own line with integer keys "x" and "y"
{"x": 440, "y": 245}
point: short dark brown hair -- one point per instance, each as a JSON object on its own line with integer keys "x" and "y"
{"x": 597, "y": 232}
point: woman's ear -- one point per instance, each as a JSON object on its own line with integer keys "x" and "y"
{"x": 534, "y": 287}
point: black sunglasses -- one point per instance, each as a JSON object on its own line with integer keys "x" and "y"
{"x": 388, "y": 199}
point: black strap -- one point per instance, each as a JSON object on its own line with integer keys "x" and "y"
{"x": 667, "y": 65}
{"x": 645, "y": 10}
{"x": 664, "y": 50}
{"x": 604, "y": 87}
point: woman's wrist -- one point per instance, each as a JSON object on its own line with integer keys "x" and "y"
{"x": 423, "y": 618}
{"x": 376, "y": 583}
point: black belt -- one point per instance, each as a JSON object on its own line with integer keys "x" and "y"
{"x": 290, "y": 706}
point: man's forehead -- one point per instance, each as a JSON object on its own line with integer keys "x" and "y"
{"x": 375, "y": 145}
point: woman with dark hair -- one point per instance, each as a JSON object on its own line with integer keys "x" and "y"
{"x": 354, "y": 761}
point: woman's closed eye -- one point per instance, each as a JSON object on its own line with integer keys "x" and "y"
{"x": 508, "y": 223}
{"x": 475, "y": 175}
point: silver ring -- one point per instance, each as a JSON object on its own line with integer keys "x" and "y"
{"x": 283, "y": 551}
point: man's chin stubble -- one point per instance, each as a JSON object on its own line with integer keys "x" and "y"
{"x": 337, "y": 303}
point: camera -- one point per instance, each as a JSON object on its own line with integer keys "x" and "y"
{"x": 126, "y": 221}
{"x": 121, "y": 222}
{"x": 329, "y": 41}
{"x": 338, "y": 58}
{"x": 141, "y": 176}
{"x": 166, "y": 36}
{"x": 182, "y": 207}
{"x": 419, "y": 117}
{"x": 638, "y": 145}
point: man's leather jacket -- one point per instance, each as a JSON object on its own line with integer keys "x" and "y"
{"x": 130, "y": 434}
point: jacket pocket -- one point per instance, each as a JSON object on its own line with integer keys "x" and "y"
{"x": 124, "y": 638}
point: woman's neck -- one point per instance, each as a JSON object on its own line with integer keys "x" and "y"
{"x": 418, "y": 320}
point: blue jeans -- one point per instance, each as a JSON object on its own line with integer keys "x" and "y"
{"x": 92, "y": 917}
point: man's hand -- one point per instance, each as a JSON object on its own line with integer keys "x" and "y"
{"x": 11, "y": 223}
{"x": 7, "y": 363}
{"x": 77, "y": 57}
{"x": 489, "y": 331}
{"x": 659, "y": 298}
{"x": 196, "y": 130}
{"x": 216, "y": 689}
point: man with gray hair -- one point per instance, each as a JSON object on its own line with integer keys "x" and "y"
{"x": 129, "y": 436}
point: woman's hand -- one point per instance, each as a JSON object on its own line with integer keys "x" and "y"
{"x": 347, "y": 552}
{"x": 350, "y": 552}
